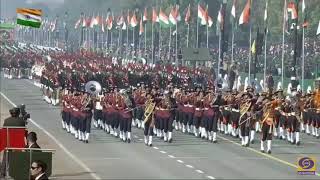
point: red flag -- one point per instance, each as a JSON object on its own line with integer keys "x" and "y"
{"x": 145, "y": 15}
{"x": 141, "y": 27}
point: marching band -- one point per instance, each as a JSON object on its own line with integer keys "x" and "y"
{"x": 161, "y": 101}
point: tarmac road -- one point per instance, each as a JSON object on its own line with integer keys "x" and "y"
{"x": 187, "y": 157}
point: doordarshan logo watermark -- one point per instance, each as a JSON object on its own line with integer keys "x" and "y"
{"x": 306, "y": 166}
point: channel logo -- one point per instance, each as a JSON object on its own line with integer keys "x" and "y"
{"x": 306, "y": 166}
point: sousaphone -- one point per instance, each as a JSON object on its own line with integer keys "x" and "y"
{"x": 93, "y": 87}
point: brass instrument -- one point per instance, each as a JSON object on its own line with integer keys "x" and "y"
{"x": 148, "y": 110}
{"x": 244, "y": 108}
{"x": 85, "y": 102}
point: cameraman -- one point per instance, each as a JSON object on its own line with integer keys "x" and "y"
{"x": 14, "y": 120}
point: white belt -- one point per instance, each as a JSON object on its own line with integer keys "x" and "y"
{"x": 198, "y": 109}
{"x": 235, "y": 110}
{"x": 75, "y": 109}
{"x": 206, "y": 108}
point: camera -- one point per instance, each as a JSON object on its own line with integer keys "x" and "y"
{"x": 23, "y": 113}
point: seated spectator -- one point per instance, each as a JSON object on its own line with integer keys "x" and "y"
{"x": 38, "y": 170}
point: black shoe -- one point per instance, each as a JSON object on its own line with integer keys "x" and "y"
{"x": 280, "y": 137}
{"x": 247, "y": 145}
{"x": 170, "y": 141}
{"x": 298, "y": 143}
{"x": 262, "y": 151}
{"x": 269, "y": 152}
{"x": 150, "y": 145}
{"x": 215, "y": 141}
{"x": 129, "y": 140}
{"x": 252, "y": 142}
{"x": 87, "y": 141}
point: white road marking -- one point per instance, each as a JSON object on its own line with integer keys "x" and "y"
{"x": 155, "y": 148}
{"x": 163, "y": 152}
{"x": 171, "y": 156}
{"x": 210, "y": 177}
{"x": 189, "y": 166}
{"x": 76, "y": 159}
{"x": 199, "y": 171}
{"x": 180, "y": 161}
{"x": 135, "y": 136}
{"x": 140, "y": 139}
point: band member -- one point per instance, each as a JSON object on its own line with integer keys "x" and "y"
{"x": 87, "y": 110}
{"x": 126, "y": 105}
{"x": 198, "y": 103}
{"x": 65, "y": 113}
{"x": 98, "y": 120}
{"x": 268, "y": 124}
{"x": 165, "y": 118}
{"x": 149, "y": 120}
{"x": 207, "y": 117}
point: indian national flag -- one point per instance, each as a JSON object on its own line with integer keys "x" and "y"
{"x": 29, "y": 17}
{"x": 163, "y": 19}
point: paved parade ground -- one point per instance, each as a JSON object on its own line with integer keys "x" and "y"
{"x": 187, "y": 157}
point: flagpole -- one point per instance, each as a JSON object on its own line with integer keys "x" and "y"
{"x": 177, "y": 63}
{"x": 127, "y": 49}
{"x": 303, "y": 61}
{"x": 107, "y": 38}
{"x": 170, "y": 32}
{"x": 145, "y": 38}
{"x": 250, "y": 37}
{"x": 188, "y": 35}
{"x": 152, "y": 46}
{"x": 111, "y": 40}
{"x": 282, "y": 54}
{"x": 208, "y": 37}
{"x": 134, "y": 46}
{"x": 159, "y": 41}
{"x": 265, "y": 61}
{"x": 197, "y": 45}
{"x": 232, "y": 45}
{"x": 219, "y": 53}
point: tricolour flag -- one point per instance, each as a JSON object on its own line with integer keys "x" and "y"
{"x": 29, "y": 17}
{"x": 188, "y": 15}
{"x": 174, "y": 16}
{"x": 202, "y": 15}
{"x": 163, "y": 19}
{"x": 266, "y": 18}
{"x": 133, "y": 21}
{"x": 94, "y": 21}
{"x": 145, "y": 15}
{"x": 220, "y": 20}
{"x": 78, "y": 23}
{"x": 141, "y": 30}
{"x": 292, "y": 9}
{"x": 109, "y": 22}
{"x": 155, "y": 17}
{"x": 245, "y": 15}
{"x": 305, "y": 20}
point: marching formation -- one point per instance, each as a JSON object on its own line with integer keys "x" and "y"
{"x": 161, "y": 99}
